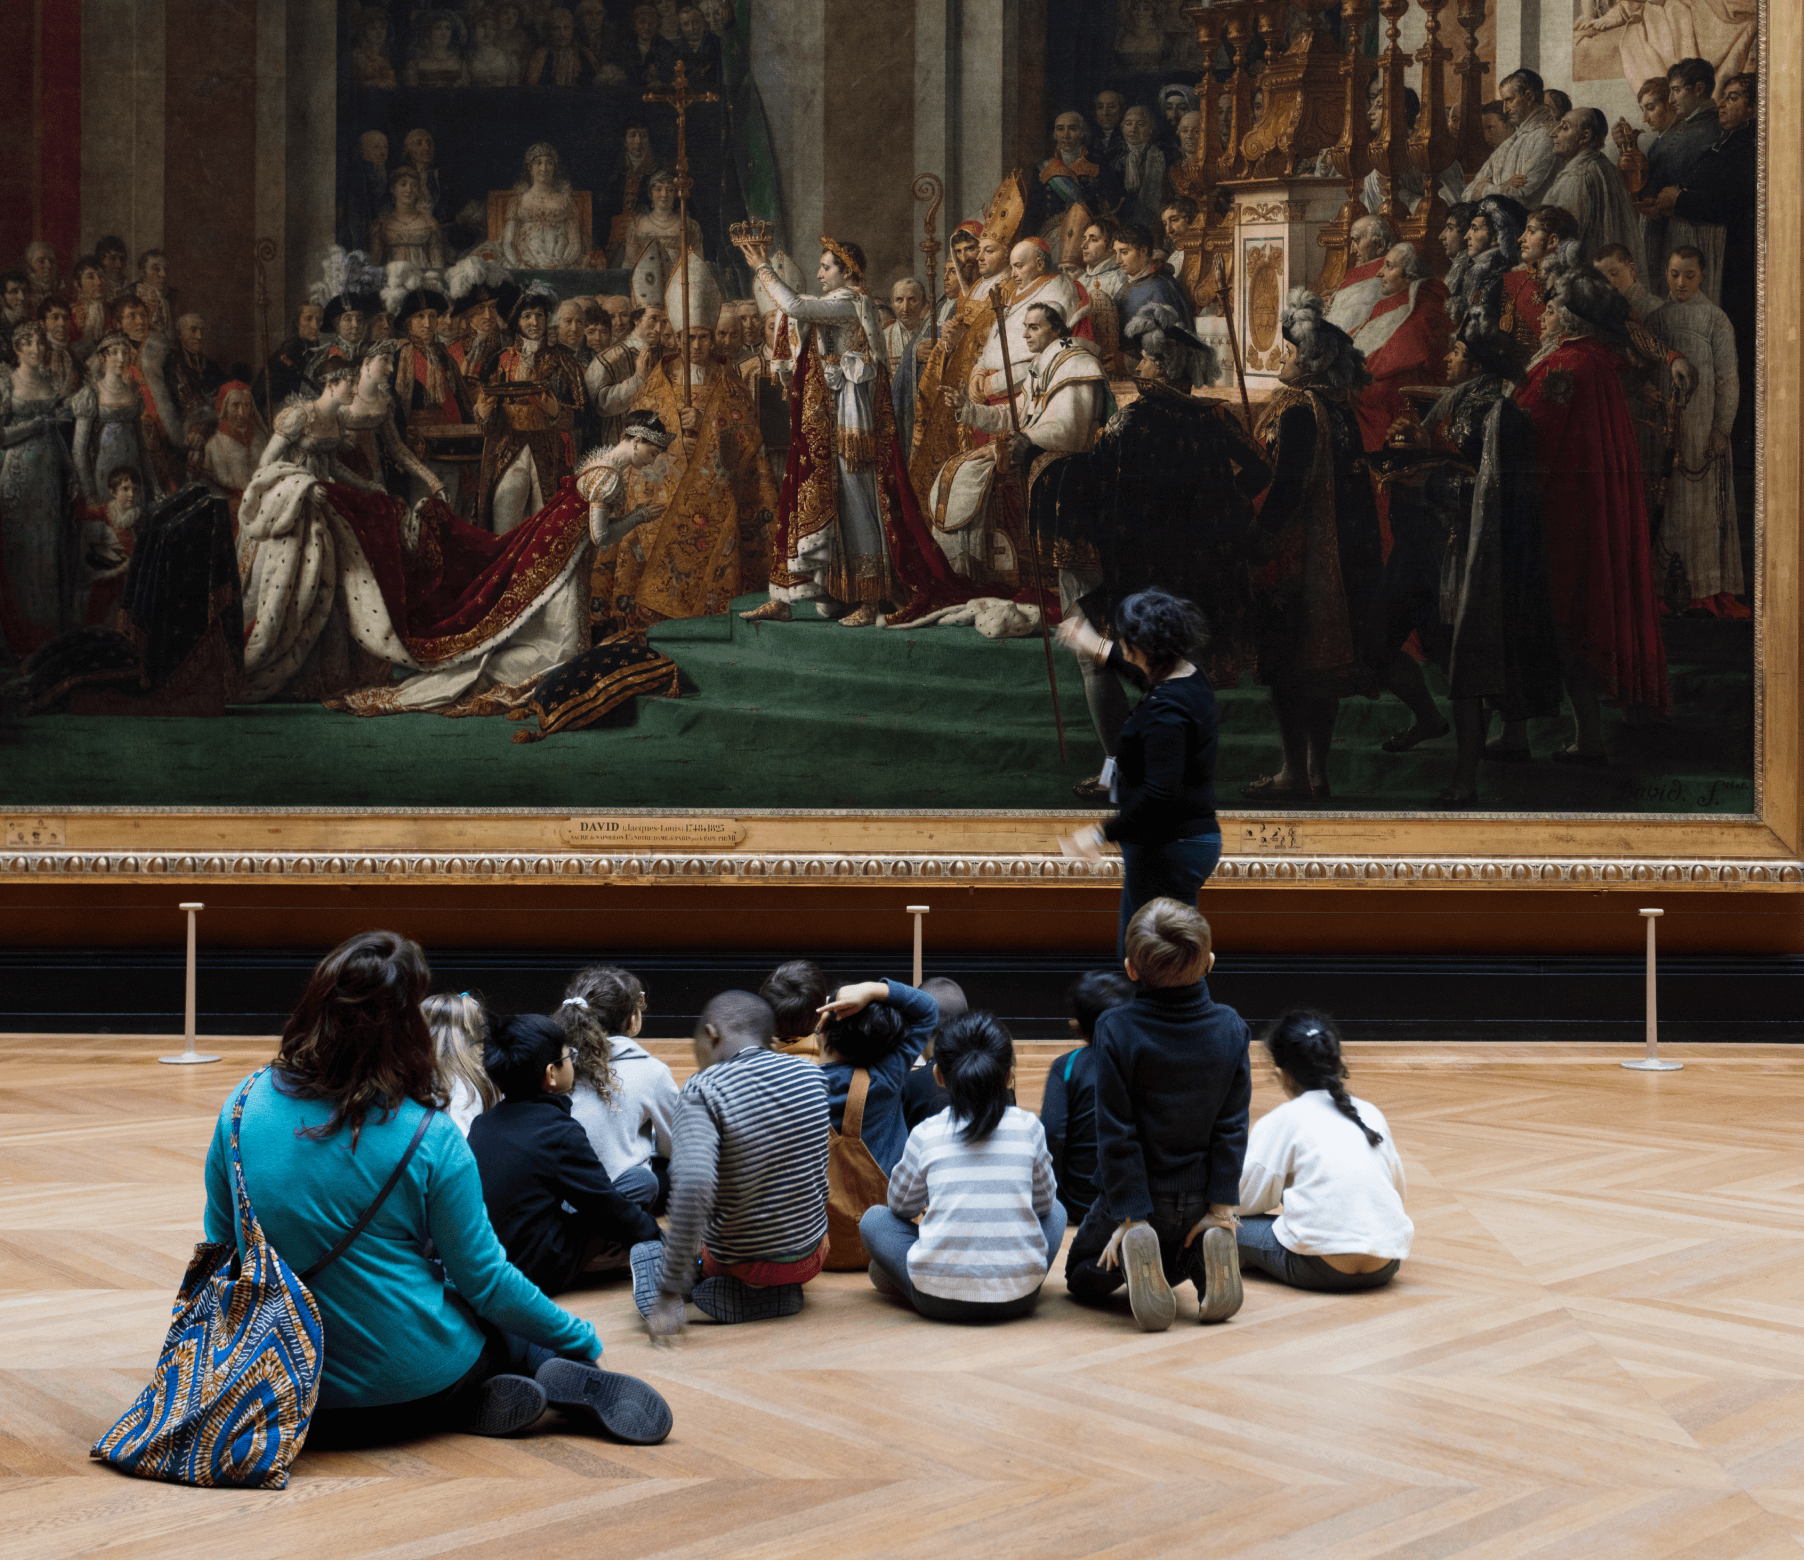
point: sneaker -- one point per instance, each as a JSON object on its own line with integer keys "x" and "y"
{"x": 884, "y": 1284}
{"x": 647, "y": 1260}
{"x": 1222, "y": 1293}
{"x": 728, "y": 1300}
{"x": 506, "y": 1405}
{"x": 621, "y": 1406}
{"x": 1148, "y": 1293}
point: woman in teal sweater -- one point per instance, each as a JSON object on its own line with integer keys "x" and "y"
{"x": 407, "y": 1351}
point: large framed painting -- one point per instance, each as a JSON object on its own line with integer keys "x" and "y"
{"x": 673, "y": 440}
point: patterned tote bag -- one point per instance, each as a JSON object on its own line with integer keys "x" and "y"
{"x": 233, "y": 1391}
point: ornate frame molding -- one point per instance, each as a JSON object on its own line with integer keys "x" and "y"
{"x": 991, "y": 870}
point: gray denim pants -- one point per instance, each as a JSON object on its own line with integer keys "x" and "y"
{"x": 1261, "y": 1252}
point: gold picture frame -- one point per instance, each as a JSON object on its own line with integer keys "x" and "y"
{"x": 1763, "y": 851}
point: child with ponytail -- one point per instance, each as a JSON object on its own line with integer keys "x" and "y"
{"x": 1325, "y": 1161}
{"x": 978, "y": 1177}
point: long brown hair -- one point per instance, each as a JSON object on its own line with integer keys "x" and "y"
{"x": 599, "y": 1001}
{"x": 357, "y": 1038}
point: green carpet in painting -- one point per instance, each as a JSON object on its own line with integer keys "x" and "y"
{"x": 811, "y": 715}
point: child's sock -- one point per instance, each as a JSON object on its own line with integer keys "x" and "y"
{"x": 728, "y": 1300}
{"x": 647, "y": 1260}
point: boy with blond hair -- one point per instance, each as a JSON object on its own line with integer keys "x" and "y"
{"x": 1173, "y": 1087}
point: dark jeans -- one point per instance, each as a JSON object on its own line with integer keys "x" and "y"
{"x": 1176, "y": 870}
{"x": 648, "y": 1184}
{"x": 1173, "y": 1215}
{"x": 503, "y": 1354}
{"x": 888, "y": 1237}
{"x": 1260, "y": 1251}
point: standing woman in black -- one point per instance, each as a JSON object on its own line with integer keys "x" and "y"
{"x": 1164, "y": 786}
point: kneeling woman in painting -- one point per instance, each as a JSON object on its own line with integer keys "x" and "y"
{"x": 349, "y": 1126}
{"x": 1165, "y": 767}
{"x": 1326, "y": 1164}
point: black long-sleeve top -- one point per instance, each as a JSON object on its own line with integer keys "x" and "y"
{"x": 1068, "y": 1115}
{"x": 1165, "y": 762}
{"x": 533, "y": 1158}
{"x": 1173, "y": 1088}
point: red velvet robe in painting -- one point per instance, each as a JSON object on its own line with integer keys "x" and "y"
{"x": 809, "y": 498}
{"x": 1404, "y": 339}
{"x": 1523, "y": 307}
{"x": 1599, "y": 571}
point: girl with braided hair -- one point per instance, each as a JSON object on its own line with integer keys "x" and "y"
{"x": 1326, "y": 1163}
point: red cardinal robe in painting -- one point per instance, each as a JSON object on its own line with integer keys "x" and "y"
{"x": 1595, "y": 521}
{"x": 1405, "y": 343}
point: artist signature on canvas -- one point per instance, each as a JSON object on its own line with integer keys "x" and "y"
{"x": 1686, "y": 796}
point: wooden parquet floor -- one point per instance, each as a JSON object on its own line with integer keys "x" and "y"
{"x": 1597, "y": 1349}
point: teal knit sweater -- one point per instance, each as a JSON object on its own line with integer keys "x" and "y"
{"x": 394, "y": 1329}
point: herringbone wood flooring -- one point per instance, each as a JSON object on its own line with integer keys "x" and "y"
{"x": 1597, "y": 1349}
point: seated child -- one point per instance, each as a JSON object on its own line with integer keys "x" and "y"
{"x": 1326, "y": 1161}
{"x": 922, "y": 1094}
{"x": 748, "y": 1178}
{"x": 796, "y": 992}
{"x": 108, "y": 535}
{"x": 1068, "y": 1108}
{"x": 459, "y": 1029}
{"x": 878, "y": 1026}
{"x": 625, "y": 1098}
{"x": 1172, "y": 1091}
{"x": 534, "y": 1160}
{"x": 979, "y": 1179}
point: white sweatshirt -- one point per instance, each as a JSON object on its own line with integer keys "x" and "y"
{"x": 635, "y": 1125}
{"x": 1340, "y": 1195}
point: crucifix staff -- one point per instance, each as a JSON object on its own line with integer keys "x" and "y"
{"x": 679, "y": 97}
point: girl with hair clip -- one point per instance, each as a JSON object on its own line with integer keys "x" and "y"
{"x": 459, "y": 1029}
{"x": 980, "y": 1181}
{"x": 1325, "y": 1161}
{"x": 625, "y": 1098}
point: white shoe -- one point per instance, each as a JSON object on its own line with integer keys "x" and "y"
{"x": 1148, "y": 1293}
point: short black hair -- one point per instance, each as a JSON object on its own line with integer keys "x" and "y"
{"x": 738, "y": 1015}
{"x": 1094, "y": 994}
{"x": 1183, "y": 205}
{"x": 1164, "y": 628}
{"x": 795, "y": 990}
{"x": 1135, "y": 236}
{"x": 872, "y": 1034}
{"x": 1055, "y": 317}
{"x": 1461, "y": 213}
{"x": 110, "y": 244}
{"x": 1692, "y": 73}
{"x": 1529, "y": 81}
{"x": 519, "y": 1050}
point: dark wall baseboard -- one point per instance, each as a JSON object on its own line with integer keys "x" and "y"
{"x": 1379, "y": 997}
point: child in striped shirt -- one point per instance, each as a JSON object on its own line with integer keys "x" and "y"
{"x": 980, "y": 1174}
{"x": 748, "y": 1178}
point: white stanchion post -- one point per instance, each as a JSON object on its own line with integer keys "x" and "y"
{"x": 1651, "y": 1061}
{"x": 189, "y": 1054}
{"x": 917, "y": 911}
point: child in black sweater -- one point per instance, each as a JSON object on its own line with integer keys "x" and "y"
{"x": 535, "y": 1160}
{"x": 1068, "y": 1109}
{"x": 1173, "y": 1088}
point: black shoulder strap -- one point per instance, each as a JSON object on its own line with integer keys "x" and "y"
{"x": 381, "y": 1197}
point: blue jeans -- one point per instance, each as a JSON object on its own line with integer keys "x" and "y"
{"x": 1261, "y": 1252}
{"x": 888, "y": 1238}
{"x": 645, "y": 1185}
{"x": 1176, "y": 870}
